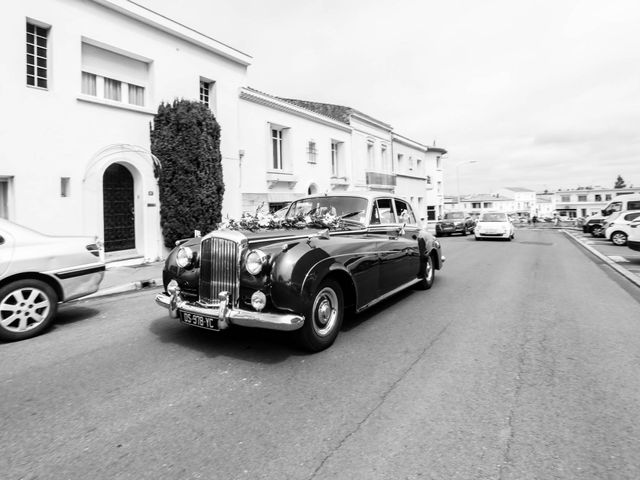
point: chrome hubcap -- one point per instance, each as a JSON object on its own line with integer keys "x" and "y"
{"x": 325, "y": 311}
{"x": 428, "y": 271}
{"x": 24, "y": 309}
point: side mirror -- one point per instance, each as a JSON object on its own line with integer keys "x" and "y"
{"x": 401, "y": 229}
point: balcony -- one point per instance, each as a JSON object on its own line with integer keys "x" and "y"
{"x": 381, "y": 181}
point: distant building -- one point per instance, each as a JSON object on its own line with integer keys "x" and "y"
{"x": 587, "y": 201}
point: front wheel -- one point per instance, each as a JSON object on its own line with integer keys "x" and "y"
{"x": 324, "y": 317}
{"x": 27, "y": 307}
{"x": 596, "y": 231}
{"x": 619, "y": 238}
{"x": 428, "y": 275}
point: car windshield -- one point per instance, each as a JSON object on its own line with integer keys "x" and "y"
{"x": 349, "y": 208}
{"x": 493, "y": 217}
{"x": 454, "y": 216}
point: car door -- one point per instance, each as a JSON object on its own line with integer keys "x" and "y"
{"x": 396, "y": 251}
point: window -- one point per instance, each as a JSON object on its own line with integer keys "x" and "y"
{"x": 631, "y": 216}
{"x": 65, "y": 188}
{"x": 404, "y": 212}
{"x": 633, "y": 206}
{"x": 136, "y": 95}
{"x": 607, "y": 197}
{"x": 89, "y": 86}
{"x": 336, "y": 168}
{"x": 476, "y": 205}
{"x": 370, "y": 157}
{"x": 582, "y": 198}
{"x": 276, "y": 144}
{"x": 439, "y": 187}
{"x": 598, "y": 197}
{"x": 410, "y": 164}
{"x": 428, "y": 179}
{"x": 383, "y": 212}
{"x": 112, "y": 89}
{"x": 487, "y": 205}
{"x": 6, "y": 184}
{"x": 438, "y": 162}
{"x": 37, "y": 72}
{"x": 400, "y": 163}
{"x": 383, "y": 157}
{"x": 207, "y": 92}
{"x": 565, "y": 198}
{"x": 311, "y": 151}
{"x": 112, "y": 76}
{"x": 418, "y": 166}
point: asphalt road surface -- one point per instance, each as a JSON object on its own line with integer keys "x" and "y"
{"x": 522, "y": 362}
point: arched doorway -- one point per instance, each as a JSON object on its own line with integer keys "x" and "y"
{"x": 118, "y": 209}
{"x": 313, "y": 189}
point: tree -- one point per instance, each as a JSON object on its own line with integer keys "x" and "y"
{"x": 185, "y": 138}
{"x": 619, "y": 183}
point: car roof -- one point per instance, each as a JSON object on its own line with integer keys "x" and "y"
{"x": 359, "y": 194}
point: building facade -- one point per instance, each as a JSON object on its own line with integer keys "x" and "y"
{"x": 84, "y": 80}
{"x": 75, "y": 134}
{"x": 587, "y": 201}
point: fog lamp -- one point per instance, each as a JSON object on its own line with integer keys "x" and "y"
{"x": 173, "y": 287}
{"x": 258, "y": 300}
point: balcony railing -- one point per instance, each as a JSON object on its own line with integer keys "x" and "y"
{"x": 381, "y": 179}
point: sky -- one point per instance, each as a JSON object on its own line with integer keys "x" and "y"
{"x": 521, "y": 93}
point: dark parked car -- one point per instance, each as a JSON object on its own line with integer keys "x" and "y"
{"x": 455, "y": 222}
{"x": 302, "y": 280}
{"x": 593, "y": 224}
{"x": 37, "y": 271}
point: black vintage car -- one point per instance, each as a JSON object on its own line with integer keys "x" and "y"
{"x": 302, "y": 280}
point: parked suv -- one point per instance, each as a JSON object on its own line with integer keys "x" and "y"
{"x": 455, "y": 222}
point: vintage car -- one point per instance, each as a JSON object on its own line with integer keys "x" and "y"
{"x": 302, "y": 280}
{"x": 37, "y": 271}
{"x": 455, "y": 222}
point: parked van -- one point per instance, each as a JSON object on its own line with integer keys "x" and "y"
{"x": 620, "y": 203}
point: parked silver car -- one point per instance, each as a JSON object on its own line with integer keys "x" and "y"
{"x": 37, "y": 271}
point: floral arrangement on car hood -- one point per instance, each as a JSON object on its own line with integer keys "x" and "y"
{"x": 267, "y": 221}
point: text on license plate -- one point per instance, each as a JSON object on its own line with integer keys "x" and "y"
{"x": 201, "y": 321}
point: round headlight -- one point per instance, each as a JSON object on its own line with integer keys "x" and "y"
{"x": 184, "y": 257}
{"x": 255, "y": 261}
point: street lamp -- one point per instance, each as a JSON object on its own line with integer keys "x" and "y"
{"x": 458, "y": 175}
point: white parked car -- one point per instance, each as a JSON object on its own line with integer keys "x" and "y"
{"x": 617, "y": 229}
{"x": 494, "y": 225}
{"x": 37, "y": 271}
{"x": 633, "y": 242}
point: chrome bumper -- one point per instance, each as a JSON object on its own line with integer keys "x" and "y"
{"x": 227, "y": 315}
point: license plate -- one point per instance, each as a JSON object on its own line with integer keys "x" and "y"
{"x": 202, "y": 321}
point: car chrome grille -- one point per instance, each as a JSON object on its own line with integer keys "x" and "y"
{"x": 219, "y": 269}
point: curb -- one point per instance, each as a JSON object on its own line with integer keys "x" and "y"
{"x": 621, "y": 270}
{"x": 127, "y": 287}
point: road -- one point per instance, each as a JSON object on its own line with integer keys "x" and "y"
{"x": 520, "y": 363}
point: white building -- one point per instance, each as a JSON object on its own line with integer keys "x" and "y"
{"x": 79, "y": 105}
{"x": 75, "y": 128}
{"x": 524, "y": 199}
{"x": 587, "y": 201}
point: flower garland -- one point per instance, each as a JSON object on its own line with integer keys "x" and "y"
{"x": 267, "y": 221}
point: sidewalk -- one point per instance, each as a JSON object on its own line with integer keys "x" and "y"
{"x": 126, "y": 276}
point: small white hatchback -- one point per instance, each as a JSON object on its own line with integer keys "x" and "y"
{"x": 494, "y": 225}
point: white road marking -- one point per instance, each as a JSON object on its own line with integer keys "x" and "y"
{"x": 618, "y": 259}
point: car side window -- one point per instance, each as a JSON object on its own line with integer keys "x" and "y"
{"x": 1, "y": 240}
{"x": 632, "y": 216}
{"x": 404, "y": 212}
{"x": 383, "y": 212}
